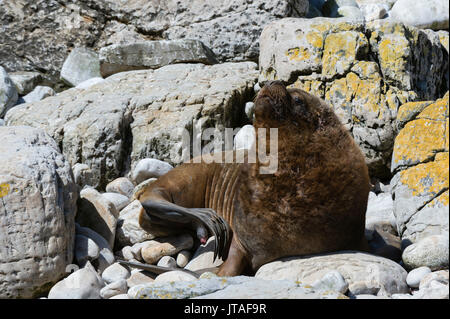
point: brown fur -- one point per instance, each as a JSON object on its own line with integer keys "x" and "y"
{"x": 314, "y": 203}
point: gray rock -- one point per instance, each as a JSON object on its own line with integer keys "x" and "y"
{"x": 204, "y": 257}
{"x": 173, "y": 276}
{"x": 121, "y": 185}
{"x": 83, "y": 175}
{"x": 380, "y": 209}
{"x": 98, "y": 213}
{"x": 120, "y": 201}
{"x": 351, "y": 13}
{"x": 82, "y": 284}
{"x": 88, "y": 83}
{"x": 106, "y": 256}
{"x": 416, "y": 275}
{"x": 24, "y": 81}
{"x": 149, "y": 168}
{"x": 152, "y": 55}
{"x": 364, "y": 273}
{"x": 183, "y": 258}
{"x": 430, "y": 14}
{"x": 331, "y": 8}
{"x": 38, "y": 93}
{"x": 374, "y": 11}
{"x": 129, "y": 231}
{"x": 245, "y": 138}
{"x": 37, "y": 211}
{"x": 439, "y": 276}
{"x": 82, "y": 64}
{"x": 85, "y": 249}
{"x": 167, "y": 261}
{"x": 431, "y": 252}
{"x": 365, "y": 296}
{"x": 250, "y": 109}
{"x": 402, "y": 296}
{"x": 331, "y": 281}
{"x": 127, "y": 253}
{"x": 435, "y": 290}
{"x": 115, "y": 272}
{"x": 2, "y": 122}
{"x": 113, "y": 289}
{"x": 8, "y": 92}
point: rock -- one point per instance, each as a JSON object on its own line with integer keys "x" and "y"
{"x": 204, "y": 257}
{"x": 98, "y": 213}
{"x": 88, "y": 83}
{"x": 140, "y": 112}
{"x": 332, "y": 281}
{"x": 113, "y": 289}
{"x": 129, "y": 231}
{"x": 380, "y": 209}
{"x": 351, "y": 13}
{"x": 37, "y": 211}
{"x": 374, "y": 11}
{"x": 157, "y": 248}
{"x": 2, "y": 122}
{"x": 435, "y": 290}
{"x": 364, "y": 273}
{"x": 183, "y": 258}
{"x": 439, "y": 276}
{"x": 121, "y": 185}
{"x": 122, "y": 296}
{"x": 420, "y": 165}
{"x": 402, "y": 296}
{"x": 141, "y": 187}
{"x": 175, "y": 275}
{"x": 115, "y": 272}
{"x": 245, "y": 138}
{"x": 136, "y": 251}
{"x": 24, "y": 81}
{"x": 82, "y": 284}
{"x": 416, "y": 275}
{"x": 329, "y": 58}
{"x": 85, "y": 250}
{"x": 148, "y": 168}
{"x": 139, "y": 278}
{"x": 429, "y": 252}
{"x": 365, "y": 296}
{"x": 240, "y": 287}
{"x": 250, "y": 109}
{"x": 428, "y": 14}
{"x": 8, "y": 92}
{"x": 167, "y": 261}
{"x": 39, "y": 93}
{"x": 83, "y": 175}
{"x": 120, "y": 201}
{"x": 82, "y": 64}
{"x": 152, "y": 55}
{"x": 331, "y": 7}
{"x": 106, "y": 256}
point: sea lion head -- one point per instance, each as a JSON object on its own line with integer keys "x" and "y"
{"x": 275, "y": 105}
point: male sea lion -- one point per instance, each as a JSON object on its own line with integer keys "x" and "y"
{"x": 314, "y": 203}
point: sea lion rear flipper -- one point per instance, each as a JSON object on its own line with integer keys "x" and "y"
{"x": 172, "y": 213}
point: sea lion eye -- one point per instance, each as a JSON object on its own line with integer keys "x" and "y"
{"x": 298, "y": 100}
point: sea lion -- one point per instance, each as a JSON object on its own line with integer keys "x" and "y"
{"x": 314, "y": 203}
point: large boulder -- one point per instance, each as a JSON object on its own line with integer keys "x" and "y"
{"x": 365, "y": 71}
{"x": 427, "y": 14}
{"x": 37, "y": 211}
{"x": 136, "y": 114}
{"x": 420, "y": 164}
{"x": 365, "y": 273}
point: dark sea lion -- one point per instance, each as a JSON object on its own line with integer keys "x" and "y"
{"x": 314, "y": 203}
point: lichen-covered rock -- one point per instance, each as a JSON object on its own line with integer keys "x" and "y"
{"x": 136, "y": 113}
{"x": 37, "y": 212}
{"x": 420, "y": 164}
{"x": 364, "y": 273}
{"x": 365, "y": 71}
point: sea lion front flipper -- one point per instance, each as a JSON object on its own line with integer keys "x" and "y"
{"x": 163, "y": 211}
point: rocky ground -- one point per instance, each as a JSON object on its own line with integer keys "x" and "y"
{"x": 91, "y": 94}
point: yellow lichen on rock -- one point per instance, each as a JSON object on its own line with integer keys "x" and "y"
{"x": 408, "y": 110}
{"x": 4, "y": 189}
{"x": 428, "y": 178}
